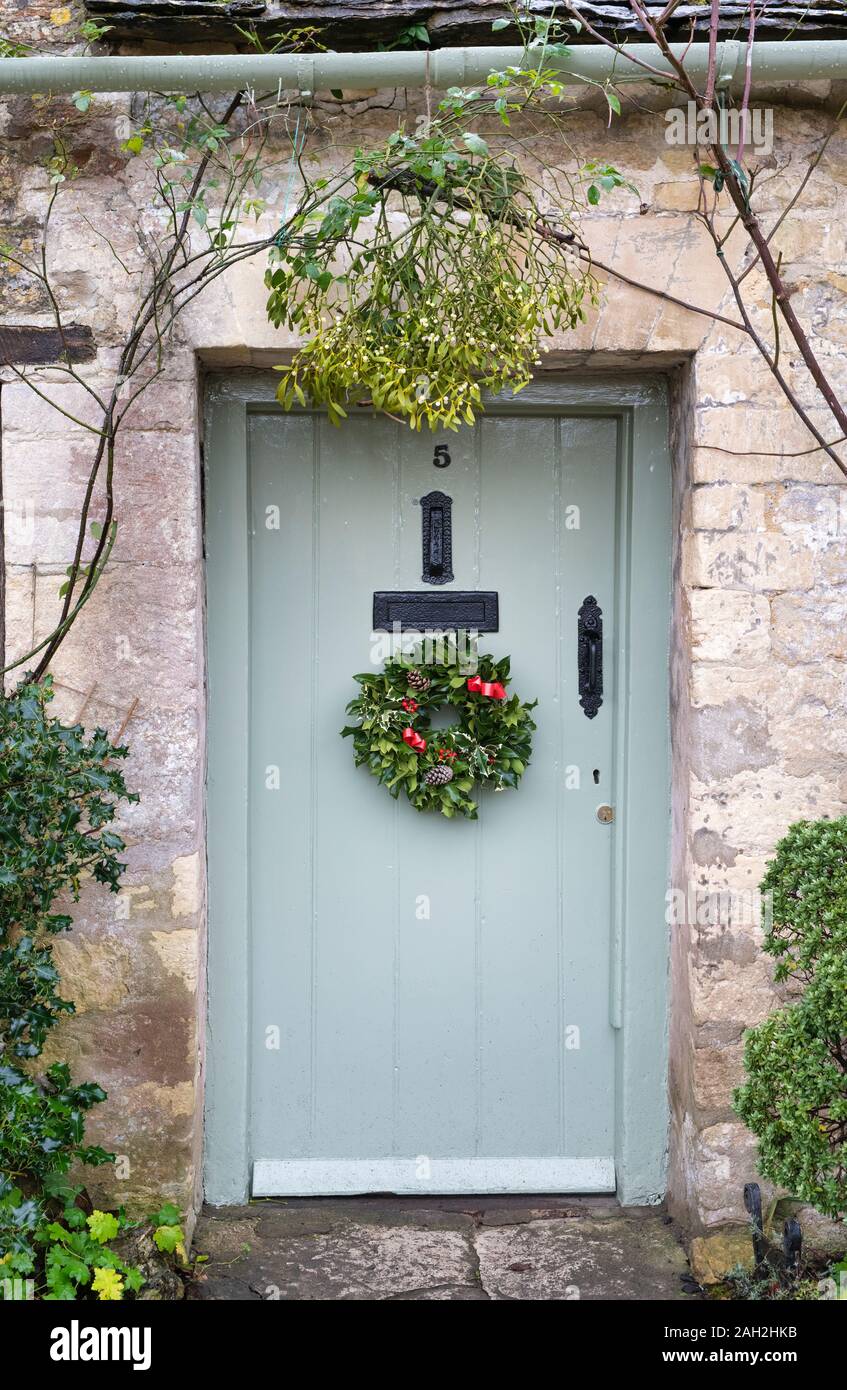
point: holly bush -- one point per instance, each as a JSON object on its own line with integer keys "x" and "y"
{"x": 59, "y": 793}
{"x": 795, "y": 1096}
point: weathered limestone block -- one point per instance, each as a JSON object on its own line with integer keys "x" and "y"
{"x": 187, "y": 892}
{"x": 759, "y": 463}
{"x": 154, "y": 486}
{"x": 763, "y": 562}
{"x": 149, "y": 1126}
{"x": 135, "y": 1031}
{"x": 231, "y": 313}
{"x": 740, "y": 994}
{"x": 728, "y": 507}
{"x": 165, "y": 768}
{"x": 729, "y": 739}
{"x": 807, "y": 237}
{"x": 810, "y": 738}
{"x": 761, "y": 442}
{"x": 19, "y": 614}
{"x": 93, "y": 970}
{"x": 724, "y": 1159}
{"x": 717, "y": 1071}
{"x": 680, "y": 195}
{"x": 712, "y": 1257}
{"x": 652, "y": 251}
{"x": 166, "y": 406}
{"x": 815, "y": 516}
{"x": 728, "y": 373}
{"x": 178, "y": 952}
{"x": 157, "y": 658}
{"x": 831, "y": 564}
{"x": 729, "y": 627}
{"x": 27, "y": 415}
{"x": 755, "y": 807}
{"x": 810, "y": 627}
{"x": 779, "y": 689}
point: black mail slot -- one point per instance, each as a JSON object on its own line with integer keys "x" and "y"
{"x": 450, "y": 611}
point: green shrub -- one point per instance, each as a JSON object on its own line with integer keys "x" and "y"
{"x": 795, "y": 1096}
{"x": 70, "y": 1255}
{"x": 59, "y": 794}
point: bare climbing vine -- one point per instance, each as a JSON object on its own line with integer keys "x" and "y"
{"x": 733, "y": 179}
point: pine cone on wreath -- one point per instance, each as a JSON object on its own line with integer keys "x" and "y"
{"x": 416, "y": 680}
{"x": 438, "y": 776}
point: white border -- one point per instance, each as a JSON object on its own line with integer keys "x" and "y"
{"x": 334, "y": 1177}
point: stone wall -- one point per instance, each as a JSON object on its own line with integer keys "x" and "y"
{"x": 758, "y": 642}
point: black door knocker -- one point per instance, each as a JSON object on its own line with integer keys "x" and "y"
{"x": 589, "y": 656}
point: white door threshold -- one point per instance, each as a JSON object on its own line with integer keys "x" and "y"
{"x": 337, "y": 1177}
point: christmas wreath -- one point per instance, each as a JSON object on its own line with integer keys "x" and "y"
{"x": 491, "y": 743}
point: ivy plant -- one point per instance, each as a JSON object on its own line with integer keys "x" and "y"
{"x": 795, "y": 1096}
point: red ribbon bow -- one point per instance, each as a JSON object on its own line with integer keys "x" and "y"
{"x": 414, "y": 740}
{"x": 493, "y": 689}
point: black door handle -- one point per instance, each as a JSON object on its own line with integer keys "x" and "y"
{"x": 436, "y": 542}
{"x": 593, "y": 645}
{"x": 589, "y": 656}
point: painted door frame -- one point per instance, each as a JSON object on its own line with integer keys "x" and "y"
{"x": 638, "y": 986}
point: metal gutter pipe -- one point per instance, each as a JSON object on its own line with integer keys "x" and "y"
{"x": 773, "y": 62}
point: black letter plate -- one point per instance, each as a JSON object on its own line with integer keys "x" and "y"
{"x": 448, "y": 611}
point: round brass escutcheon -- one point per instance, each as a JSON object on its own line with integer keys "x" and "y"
{"x": 605, "y": 814}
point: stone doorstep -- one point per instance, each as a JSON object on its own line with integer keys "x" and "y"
{"x": 386, "y": 1248}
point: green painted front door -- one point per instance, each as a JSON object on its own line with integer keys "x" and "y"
{"x": 429, "y": 999}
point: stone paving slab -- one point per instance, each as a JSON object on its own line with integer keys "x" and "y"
{"x": 463, "y": 1249}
